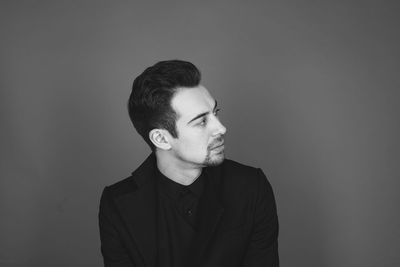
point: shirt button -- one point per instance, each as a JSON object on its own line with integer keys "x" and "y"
{"x": 189, "y": 212}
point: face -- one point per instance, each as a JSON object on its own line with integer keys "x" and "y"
{"x": 200, "y": 139}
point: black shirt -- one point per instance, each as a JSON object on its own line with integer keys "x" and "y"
{"x": 177, "y": 213}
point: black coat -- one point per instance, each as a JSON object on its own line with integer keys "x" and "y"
{"x": 238, "y": 226}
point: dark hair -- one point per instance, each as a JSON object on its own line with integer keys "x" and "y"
{"x": 149, "y": 104}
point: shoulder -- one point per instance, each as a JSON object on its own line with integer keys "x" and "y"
{"x": 244, "y": 188}
{"x": 112, "y": 192}
{"x": 143, "y": 175}
{"x": 120, "y": 188}
{"x": 241, "y": 172}
{"x": 238, "y": 176}
{"x": 232, "y": 166}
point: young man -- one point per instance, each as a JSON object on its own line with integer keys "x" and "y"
{"x": 186, "y": 205}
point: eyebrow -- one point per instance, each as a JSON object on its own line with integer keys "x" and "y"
{"x": 203, "y": 114}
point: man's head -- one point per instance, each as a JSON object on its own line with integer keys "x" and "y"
{"x": 175, "y": 114}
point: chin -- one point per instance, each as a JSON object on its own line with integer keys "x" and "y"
{"x": 214, "y": 161}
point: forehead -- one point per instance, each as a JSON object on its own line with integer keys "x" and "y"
{"x": 189, "y": 102}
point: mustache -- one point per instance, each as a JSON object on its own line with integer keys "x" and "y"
{"x": 216, "y": 142}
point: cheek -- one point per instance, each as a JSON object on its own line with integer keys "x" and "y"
{"x": 194, "y": 145}
{"x": 193, "y": 141}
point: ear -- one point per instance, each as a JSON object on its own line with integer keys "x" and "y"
{"x": 160, "y": 139}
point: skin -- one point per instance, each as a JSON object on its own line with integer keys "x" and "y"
{"x": 200, "y": 140}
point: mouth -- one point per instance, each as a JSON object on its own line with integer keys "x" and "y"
{"x": 221, "y": 145}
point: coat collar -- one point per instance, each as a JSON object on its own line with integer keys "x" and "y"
{"x": 139, "y": 210}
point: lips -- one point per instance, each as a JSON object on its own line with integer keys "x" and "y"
{"x": 217, "y": 146}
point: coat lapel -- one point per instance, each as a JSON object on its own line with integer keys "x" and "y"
{"x": 139, "y": 211}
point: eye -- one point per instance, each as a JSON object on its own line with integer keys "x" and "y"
{"x": 203, "y": 121}
{"x": 216, "y": 111}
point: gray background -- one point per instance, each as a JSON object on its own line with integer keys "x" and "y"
{"x": 309, "y": 92}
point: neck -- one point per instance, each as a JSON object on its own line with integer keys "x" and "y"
{"x": 175, "y": 170}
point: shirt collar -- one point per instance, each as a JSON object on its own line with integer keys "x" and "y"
{"x": 176, "y": 190}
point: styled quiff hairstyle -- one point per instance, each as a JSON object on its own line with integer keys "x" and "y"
{"x": 149, "y": 104}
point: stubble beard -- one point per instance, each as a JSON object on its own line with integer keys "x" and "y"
{"x": 214, "y": 159}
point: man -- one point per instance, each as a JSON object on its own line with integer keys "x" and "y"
{"x": 185, "y": 205}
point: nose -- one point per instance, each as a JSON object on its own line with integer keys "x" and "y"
{"x": 220, "y": 129}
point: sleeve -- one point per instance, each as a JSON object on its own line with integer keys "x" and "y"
{"x": 263, "y": 246}
{"x": 113, "y": 251}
